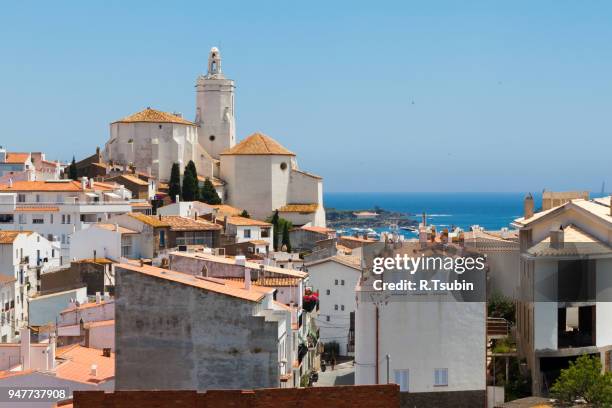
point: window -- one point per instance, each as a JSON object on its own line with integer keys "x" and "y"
{"x": 441, "y": 377}
{"x": 21, "y": 198}
{"x": 162, "y": 238}
{"x": 126, "y": 246}
{"x": 38, "y": 219}
{"x": 6, "y": 218}
{"x": 335, "y": 307}
{"x": 63, "y": 218}
{"x": 22, "y": 219}
{"x": 211, "y": 138}
{"x": 265, "y": 232}
{"x": 342, "y": 307}
{"x": 283, "y": 166}
{"x": 327, "y": 318}
{"x": 38, "y": 198}
{"x": 401, "y": 379}
{"x": 247, "y": 233}
{"x": 327, "y": 291}
{"x": 51, "y": 219}
{"x": 342, "y": 282}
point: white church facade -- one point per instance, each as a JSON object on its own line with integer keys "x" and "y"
{"x": 258, "y": 174}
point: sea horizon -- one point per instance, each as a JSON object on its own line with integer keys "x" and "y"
{"x": 491, "y": 210}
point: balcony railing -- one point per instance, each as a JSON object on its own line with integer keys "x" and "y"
{"x": 497, "y": 327}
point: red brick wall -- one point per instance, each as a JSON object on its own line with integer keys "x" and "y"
{"x": 371, "y": 396}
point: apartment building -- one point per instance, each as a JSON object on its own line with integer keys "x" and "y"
{"x": 335, "y": 279}
{"x": 24, "y": 256}
{"x": 566, "y": 286}
{"x": 56, "y": 209}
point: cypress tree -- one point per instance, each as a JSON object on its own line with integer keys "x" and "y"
{"x": 190, "y": 182}
{"x": 72, "y": 170}
{"x": 245, "y": 214}
{"x": 274, "y": 221}
{"x": 174, "y": 186}
{"x": 286, "y": 240}
{"x": 209, "y": 193}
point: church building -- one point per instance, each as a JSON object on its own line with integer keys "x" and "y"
{"x": 258, "y": 174}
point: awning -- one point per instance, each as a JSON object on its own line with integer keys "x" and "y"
{"x": 112, "y": 195}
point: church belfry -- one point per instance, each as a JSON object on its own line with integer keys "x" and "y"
{"x": 215, "y": 108}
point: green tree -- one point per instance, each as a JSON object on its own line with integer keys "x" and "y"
{"x": 174, "y": 186}
{"x": 190, "y": 182}
{"x": 245, "y": 214}
{"x": 584, "y": 379}
{"x": 286, "y": 241}
{"x": 208, "y": 194}
{"x": 501, "y": 306}
{"x": 72, "y": 170}
{"x": 275, "y": 229}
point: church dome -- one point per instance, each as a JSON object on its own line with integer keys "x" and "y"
{"x": 258, "y": 144}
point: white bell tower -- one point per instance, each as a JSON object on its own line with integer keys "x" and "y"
{"x": 215, "y": 108}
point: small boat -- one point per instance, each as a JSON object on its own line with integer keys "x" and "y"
{"x": 408, "y": 228}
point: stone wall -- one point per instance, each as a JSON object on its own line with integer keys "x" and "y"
{"x": 179, "y": 337}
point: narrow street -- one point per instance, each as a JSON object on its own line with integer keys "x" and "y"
{"x": 343, "y": 374}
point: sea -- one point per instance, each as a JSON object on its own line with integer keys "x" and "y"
{"x": 489, "y": 210}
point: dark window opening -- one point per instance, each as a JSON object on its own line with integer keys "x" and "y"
{"x": 576, "y": 326}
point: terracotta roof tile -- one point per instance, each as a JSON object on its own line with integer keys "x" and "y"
{"x": 301, "y": 208}
{"x": 154, "y": 116}
{"x": 243, "y": 221}
{"x": 258, "y": 144}
{"x": 36, "y": 209}
{"x": 79, "y": 360}
{"x": 320, "y": 230}
{"x": 178, "y": 223}
{"x": 224, "y": 209}
{"x": 213, "y": 285}
{"x": 150, "y": 220}
{"x": 113, "y": 227}
{"x": 17, "y": 158}
{"x": 8, "y": 237}
{"x": 59, "y": 186}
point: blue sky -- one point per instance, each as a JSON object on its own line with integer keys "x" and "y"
{"x": 373, "y": 96}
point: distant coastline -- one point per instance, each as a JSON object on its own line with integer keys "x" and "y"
{"x": 489, "y": 210}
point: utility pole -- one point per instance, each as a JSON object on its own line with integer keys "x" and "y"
{"x": 388, "y": 358}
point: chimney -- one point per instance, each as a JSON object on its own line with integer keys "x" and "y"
{"x": 10, "y": 183}
{"x": 116, "y": 227}
{"x": 247, "y": 278}
{"x": 83, "y": 183}
{"x": 159, "y": 215}
{"x": 528, "y": 207}
{"x": 93, "y": 370}
{"x": 51, "y": 353}
{"x": 177, "y": 199}
{"x": 98, "y": 298}
{"x": 24, "y": 336}
{"x": 557, "y": 238}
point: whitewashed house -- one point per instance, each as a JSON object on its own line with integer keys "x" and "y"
{"x": 335, "y": 279}
{"x": 104, "y": 240}
{"x": 56, "y": 209}
{"x": 426, "y": 343}
{"x": 566, "y": 286}
{"x": 24, "y": 256}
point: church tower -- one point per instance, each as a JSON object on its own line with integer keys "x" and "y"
{"x": 215, "y": 108}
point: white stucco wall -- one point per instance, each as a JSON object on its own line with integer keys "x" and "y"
{"x": 323, "y": 277}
